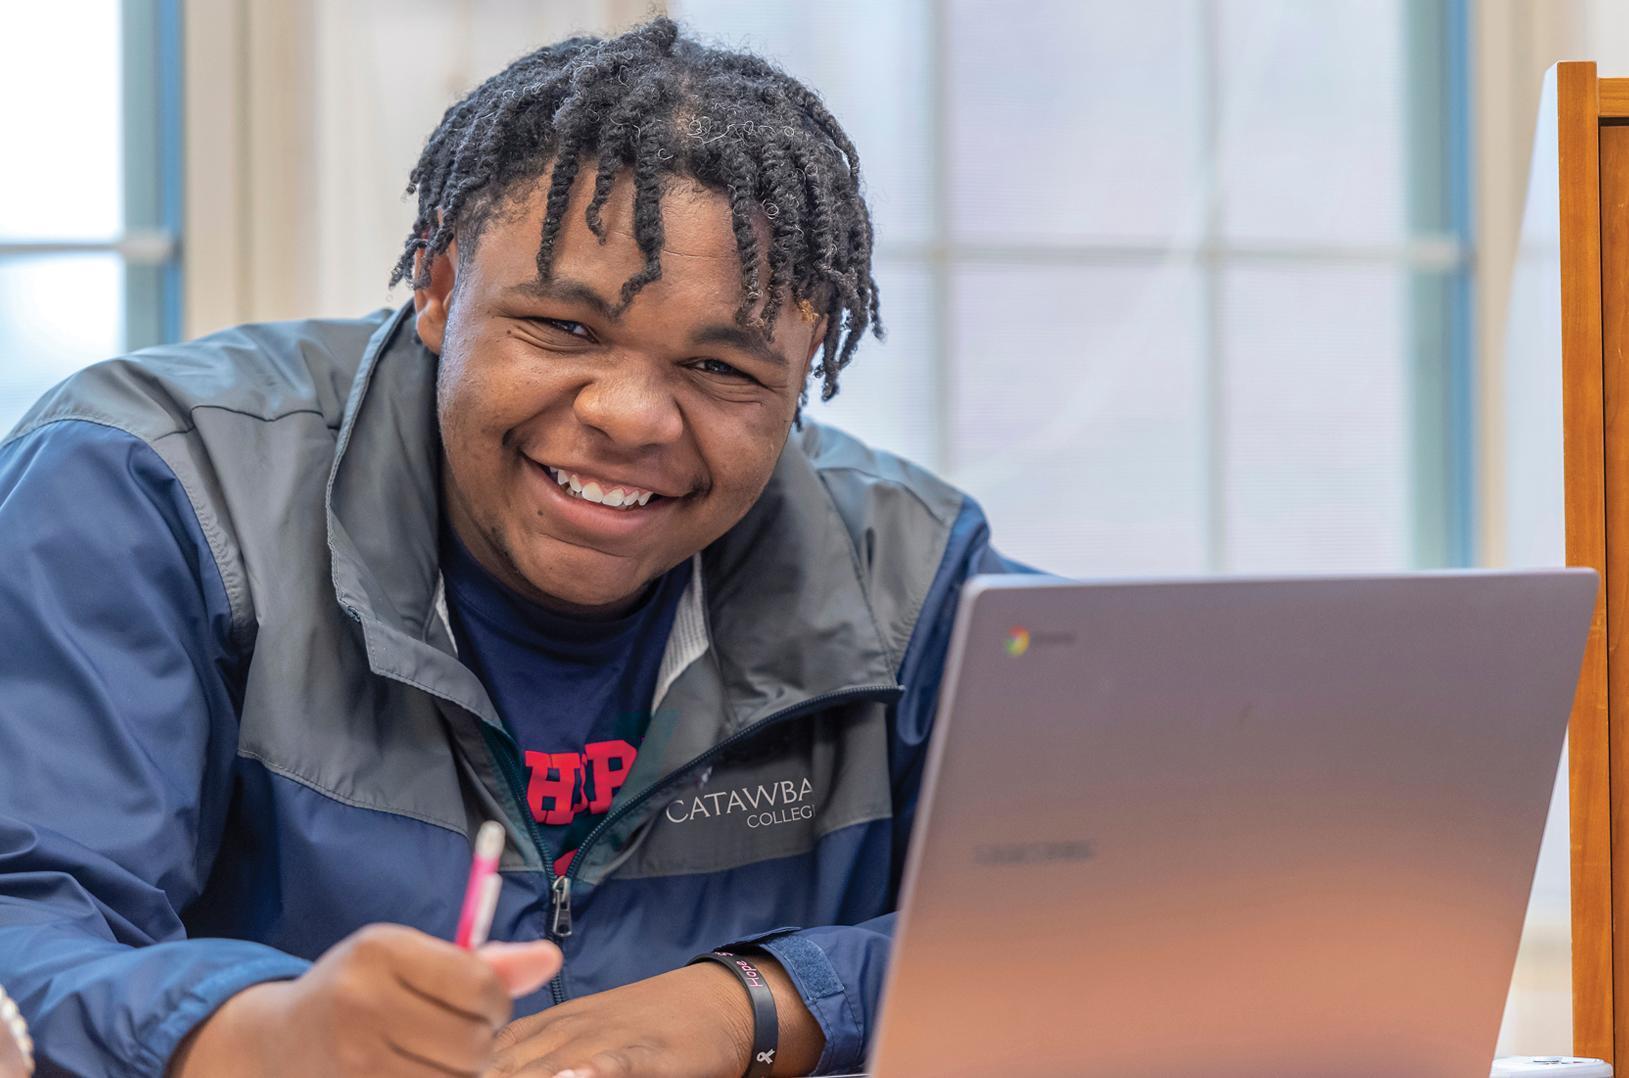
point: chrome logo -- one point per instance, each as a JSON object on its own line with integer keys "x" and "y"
{"x": 1017, "y": 641}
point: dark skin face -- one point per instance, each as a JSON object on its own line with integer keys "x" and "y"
{"x": 543, "y": 379}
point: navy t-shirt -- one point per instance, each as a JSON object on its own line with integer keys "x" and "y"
{"x": 575, "y": 694}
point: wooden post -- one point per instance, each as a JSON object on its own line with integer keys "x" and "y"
{"x": 1583, "y": 404}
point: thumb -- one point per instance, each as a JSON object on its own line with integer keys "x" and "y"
{"x": 522, "y": 967}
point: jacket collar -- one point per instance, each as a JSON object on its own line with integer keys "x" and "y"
{"x": 785, "y": 616}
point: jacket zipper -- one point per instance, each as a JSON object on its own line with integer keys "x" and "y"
{"x": 560, "y": 885}
{"x": 508, "y": 757}
{"x": 507, "y": 754}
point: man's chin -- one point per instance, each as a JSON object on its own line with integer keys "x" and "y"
{"x": 576, "y": 580}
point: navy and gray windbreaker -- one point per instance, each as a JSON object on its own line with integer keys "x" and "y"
{"x": 234, "y": 727}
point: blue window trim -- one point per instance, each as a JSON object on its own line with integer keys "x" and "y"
{"x": 153, "y": 195}
{"x": 1462, "y": 420}
{"x": 1441, "y": 329}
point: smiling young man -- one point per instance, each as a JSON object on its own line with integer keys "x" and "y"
{"x": 291, "y": 609}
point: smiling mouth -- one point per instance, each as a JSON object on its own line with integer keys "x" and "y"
{"x": 625, "y": 498}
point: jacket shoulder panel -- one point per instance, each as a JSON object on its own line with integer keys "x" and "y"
{"x": 263, "y": 371}
{"x": 899, "y": 517}
{"x": 208, "y": 408}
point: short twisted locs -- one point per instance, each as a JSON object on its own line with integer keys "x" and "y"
{"x": 661, "y": 105}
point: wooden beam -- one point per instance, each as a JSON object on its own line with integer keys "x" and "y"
{"x": 1583, "y": 397}
{"x": 1614, "y": 157}
{"x": 1614, "y": 96}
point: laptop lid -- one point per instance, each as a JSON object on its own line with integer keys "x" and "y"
{"x": 1231, "y": 826}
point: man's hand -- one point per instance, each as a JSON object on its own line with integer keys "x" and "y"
{"x": 386, "y": 1000}
{"x": 691, "y": 1022}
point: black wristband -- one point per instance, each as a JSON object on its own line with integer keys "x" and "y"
{"x": 766, "y": 1033}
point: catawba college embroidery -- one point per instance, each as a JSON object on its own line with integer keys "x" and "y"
{"x": 766, "y": 804}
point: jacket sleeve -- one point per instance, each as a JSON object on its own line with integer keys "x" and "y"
{"x": 118, "y": 734}
{"x": 839, "y": 969}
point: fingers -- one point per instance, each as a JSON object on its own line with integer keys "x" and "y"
{"x": 522, "y": 968}
{"x": 406, "y": 1061}
{"x": 452, "y": 1042}
{"x": 612, "y": 1063}
{"x": 577, "y": 1045}
{"x": 526, "y": 1045}
{"x": 438, "y": 971}
{"x": 618, "y": 1064}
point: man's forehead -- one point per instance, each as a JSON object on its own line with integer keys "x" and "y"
{"x": 701, "y": 263}
{"x": 695, "y": 219}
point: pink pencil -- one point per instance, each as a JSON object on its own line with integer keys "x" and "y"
{"x": 481, "y": 893}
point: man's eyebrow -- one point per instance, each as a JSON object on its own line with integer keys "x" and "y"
{"x": 565, "y": 290}
{"x": 750, "y": 341}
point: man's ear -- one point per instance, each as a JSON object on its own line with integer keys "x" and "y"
{"x": 432, "y": 302}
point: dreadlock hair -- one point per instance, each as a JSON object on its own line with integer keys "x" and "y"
{"x": 663, "y": 106}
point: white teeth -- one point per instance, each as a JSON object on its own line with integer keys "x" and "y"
{"x": 615, "y": 498}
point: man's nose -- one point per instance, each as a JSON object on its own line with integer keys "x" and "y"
{"x": 631, "y": 405}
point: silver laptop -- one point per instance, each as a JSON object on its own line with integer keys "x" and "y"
{"x": 1231, "y": 826}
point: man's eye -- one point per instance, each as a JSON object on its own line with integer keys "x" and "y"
{"x": 576, "y": 329}
{"x": 718, "y": 366}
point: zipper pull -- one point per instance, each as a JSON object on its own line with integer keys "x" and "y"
{"x": 560, "y": 918}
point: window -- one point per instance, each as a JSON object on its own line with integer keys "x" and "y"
{"x": 90, "y": 199}
{"x": 1177, "y": 286}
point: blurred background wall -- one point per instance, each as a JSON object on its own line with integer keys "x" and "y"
{"x": 1176, "y": 286}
